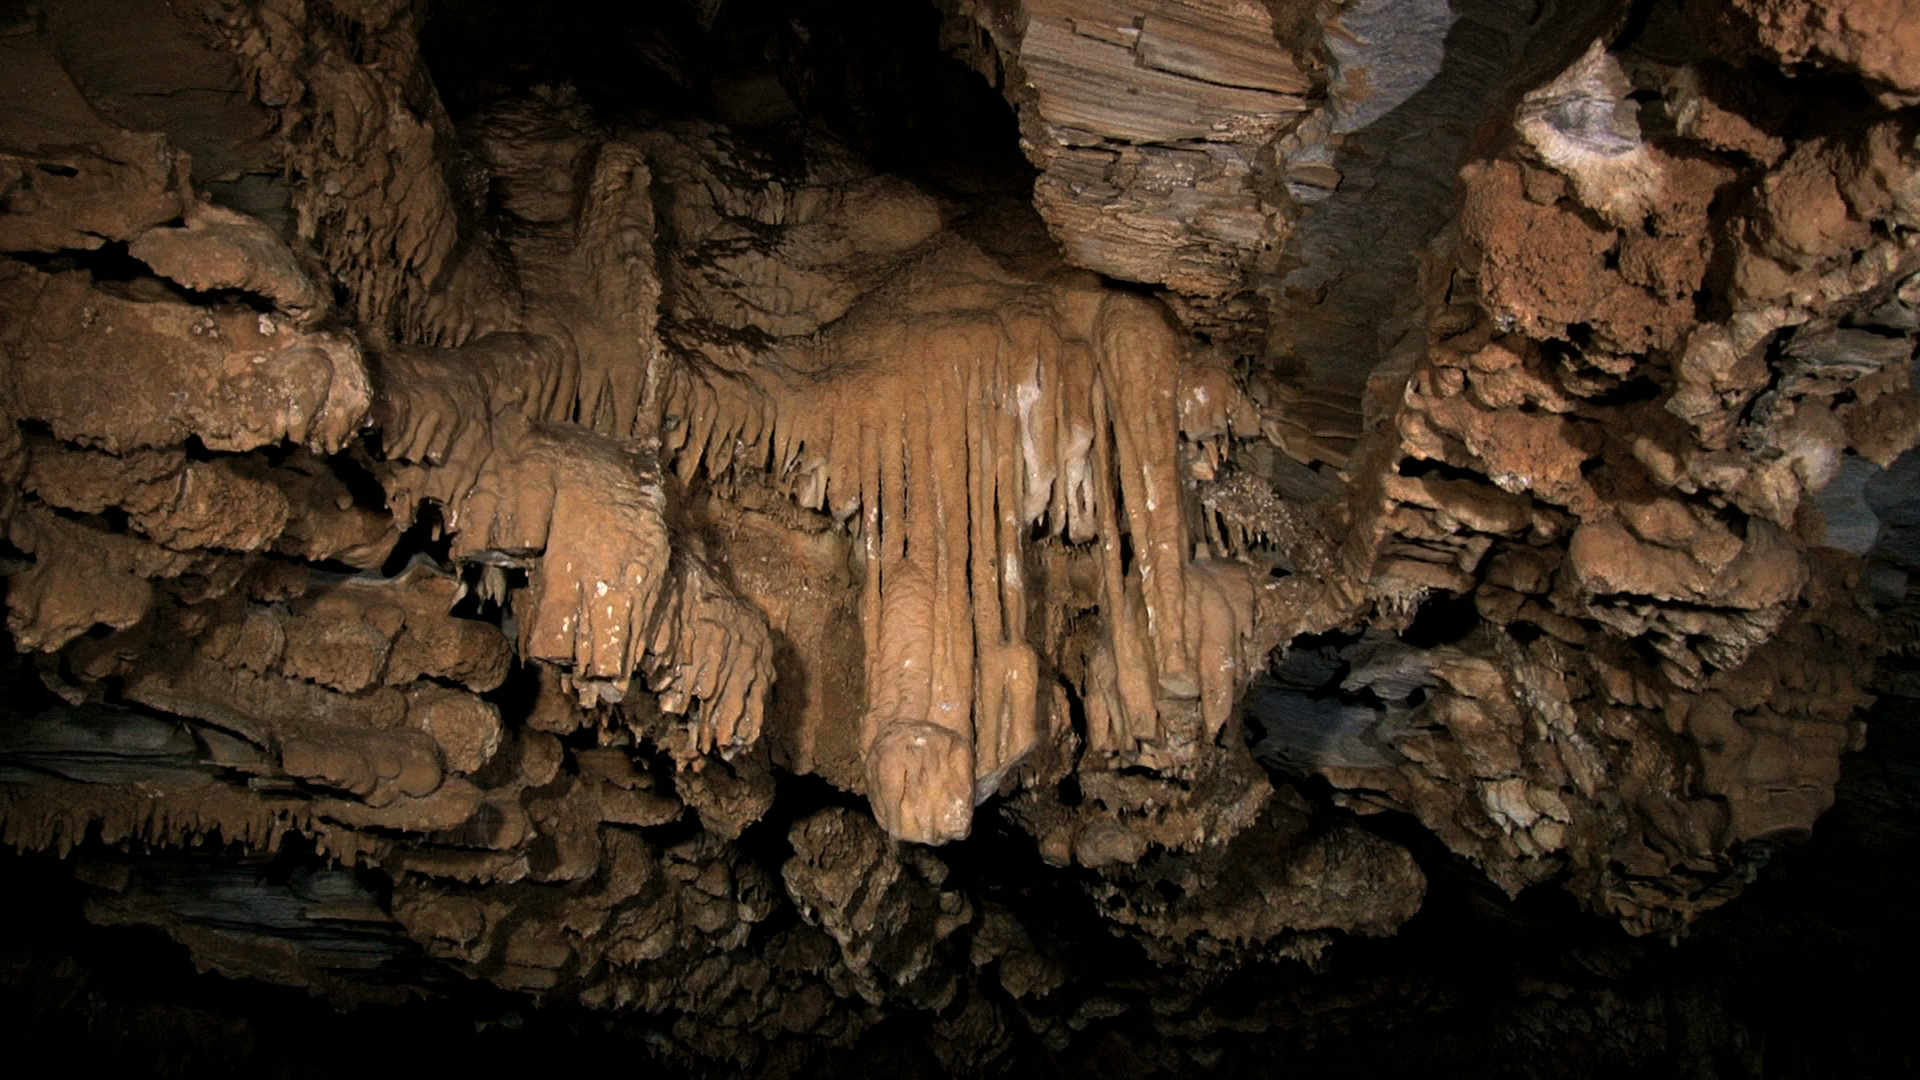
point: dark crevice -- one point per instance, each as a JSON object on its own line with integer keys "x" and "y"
{"x": 427, "y": 537}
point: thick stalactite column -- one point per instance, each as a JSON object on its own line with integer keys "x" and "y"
{"x": 960, "y": 387}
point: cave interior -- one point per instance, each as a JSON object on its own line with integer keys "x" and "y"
{"x": 1085, "y": 538}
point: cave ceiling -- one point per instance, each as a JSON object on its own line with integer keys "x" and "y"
{"x": 1048, "y": 522}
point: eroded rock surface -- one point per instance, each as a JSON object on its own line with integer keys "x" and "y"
{"x": 684, "y": 570}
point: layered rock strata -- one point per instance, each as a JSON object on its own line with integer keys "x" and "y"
{"x": 639, "y": 544}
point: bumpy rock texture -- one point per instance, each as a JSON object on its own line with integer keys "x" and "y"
{"x": 620, "y": 543}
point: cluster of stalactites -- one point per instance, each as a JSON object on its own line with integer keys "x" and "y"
{"x": 954, "y": 420}
{"x": 533, "y": 444}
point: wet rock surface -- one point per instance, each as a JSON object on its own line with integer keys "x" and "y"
{"x": 629, "y": 534}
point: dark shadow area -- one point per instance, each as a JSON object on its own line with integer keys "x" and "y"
{"x": 870, "y": 76}
{"x": 1796, "y": 978}
{"x": 119, "y": 1000}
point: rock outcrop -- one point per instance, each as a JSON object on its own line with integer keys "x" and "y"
{"x": 681, "y": 570}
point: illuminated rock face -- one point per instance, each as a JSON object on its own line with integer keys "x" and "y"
{"x": 543, "y": 507}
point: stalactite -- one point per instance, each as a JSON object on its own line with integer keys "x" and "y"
{"x": 954, "y": 414}
{"x": 564, "y": 514}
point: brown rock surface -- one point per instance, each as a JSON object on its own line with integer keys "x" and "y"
{"x": 761, "y": 582}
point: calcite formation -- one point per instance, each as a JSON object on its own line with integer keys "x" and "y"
{"x": 956, "y": 416}
{"x": 683, "y": 570}
{"x": 1152, "y": 124}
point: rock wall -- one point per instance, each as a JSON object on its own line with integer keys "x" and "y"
{"x": 697, "y": 575}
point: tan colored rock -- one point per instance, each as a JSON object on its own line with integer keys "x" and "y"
{"x": 1874, "y": 38}
{"x": 72, "y": 180}
{"x": 675, "y": 465}
{"x": 1146, "y": 121}
{"x": 220, "y": 249}
{"x": 231, "y": 378}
